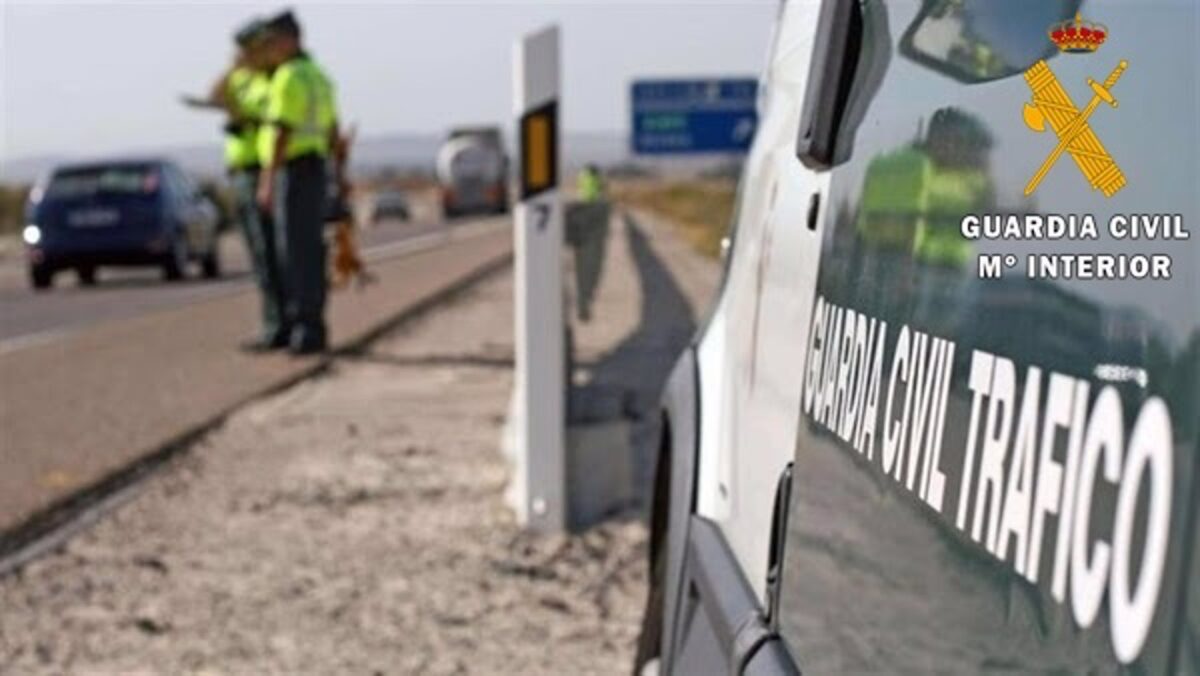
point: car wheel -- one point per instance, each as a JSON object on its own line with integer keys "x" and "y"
{"x": 41, "y": 278}
{"x": 87, "y": 275}
{"x": 210, "y": 265}
{"x": 176, "y": 262}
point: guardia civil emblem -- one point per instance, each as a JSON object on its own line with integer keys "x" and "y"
{"x": 1052, "y": 104}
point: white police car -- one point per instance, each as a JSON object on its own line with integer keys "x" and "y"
{"x": 900, "y": 446}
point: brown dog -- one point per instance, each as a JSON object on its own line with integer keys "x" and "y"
{"x": 347, "y": 263}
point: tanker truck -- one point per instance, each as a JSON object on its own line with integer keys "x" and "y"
{"x": 472, "y": 170}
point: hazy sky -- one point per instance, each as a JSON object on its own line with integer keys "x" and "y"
{"x": 98, "y": 77}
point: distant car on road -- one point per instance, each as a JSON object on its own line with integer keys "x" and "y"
{"x": 472, "y": 171}
{"x": 124, "y": 212}
{"x": 389, "y": 204}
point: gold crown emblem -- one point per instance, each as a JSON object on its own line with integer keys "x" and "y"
{"x": 1078, "y": 35}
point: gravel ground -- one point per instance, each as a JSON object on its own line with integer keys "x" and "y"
{"x": 352, "y": 524}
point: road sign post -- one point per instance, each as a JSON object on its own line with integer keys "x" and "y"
{"x": 538, "y": 407}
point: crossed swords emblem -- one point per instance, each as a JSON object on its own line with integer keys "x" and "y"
{"x": 1051, "y": 103}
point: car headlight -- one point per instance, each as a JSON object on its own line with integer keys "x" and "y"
{"x": 31, "y": 234}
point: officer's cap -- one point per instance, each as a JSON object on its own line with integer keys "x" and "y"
{"x": 253, "y": 31}
{"x": 284, "y": 23}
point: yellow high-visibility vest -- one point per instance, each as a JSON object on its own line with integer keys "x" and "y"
{"x": 589, "y": 186}
{"x": 246, "y": 90}
{"x": 910, "y": 203}
{"x": 300, "y": 98}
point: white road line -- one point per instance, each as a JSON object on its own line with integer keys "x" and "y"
{"x": 406, "y": 245}
{"x": 430, "y": 239}
{"x": 31, "y": 339}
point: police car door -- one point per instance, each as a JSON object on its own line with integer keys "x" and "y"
{"x": 748, "y": 393}
{"x": 998, "y": 473}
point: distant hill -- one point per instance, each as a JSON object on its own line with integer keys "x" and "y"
{"x": 400, "y": 151}
{"x": 404, "y": 152}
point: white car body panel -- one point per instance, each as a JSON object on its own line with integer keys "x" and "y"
{"x": 751, "y": 357}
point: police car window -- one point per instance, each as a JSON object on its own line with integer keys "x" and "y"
{"x": 891, "y": 566}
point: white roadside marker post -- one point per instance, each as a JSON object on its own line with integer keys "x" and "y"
{"x": 539, "y": 475}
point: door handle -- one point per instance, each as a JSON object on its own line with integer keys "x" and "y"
{"x": 756, "y": 629}
{"x": 779, "y": 528}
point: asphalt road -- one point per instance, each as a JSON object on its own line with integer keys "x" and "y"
{"x": 28, "y": 316}
{"x": 100, "y": 378}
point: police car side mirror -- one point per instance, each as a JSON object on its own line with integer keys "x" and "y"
{"x": 980, "y": 41}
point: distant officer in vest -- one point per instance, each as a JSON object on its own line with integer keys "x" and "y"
{"x": 241, "y": 93}
{"x": 589, "y": 185}
{"x": 295, "y": 145}
{"x": 587, "y": 232}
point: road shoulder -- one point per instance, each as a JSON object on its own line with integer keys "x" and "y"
{"x": 353, "y": 523}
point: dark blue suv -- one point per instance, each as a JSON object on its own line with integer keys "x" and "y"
{"x": 129, "y": 212}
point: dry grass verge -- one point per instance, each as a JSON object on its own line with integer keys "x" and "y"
{"x": 12, "y": 208}
{"x": 701, "y": 209}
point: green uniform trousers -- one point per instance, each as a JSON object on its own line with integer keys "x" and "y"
{"x": 587, "y": 232}
{"x": 257, "y": 228}
{"x": 300, "y": 196}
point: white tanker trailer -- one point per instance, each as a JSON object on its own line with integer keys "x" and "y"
{"x": 472, "y": 171}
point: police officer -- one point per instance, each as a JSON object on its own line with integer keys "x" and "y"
{"x": 587, "y": 224}
{"x": 241, "y": 93}
{"x": 912, "y": 202}
{"x": 300, "y": 133}
{"x": 589, "y": 184}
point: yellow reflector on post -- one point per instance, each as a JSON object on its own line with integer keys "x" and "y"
{"x": 537, "y": 171}
{"x": 539, "y": 150}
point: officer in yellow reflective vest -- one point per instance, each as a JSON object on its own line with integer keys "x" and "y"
{"x": 244, "y": 94}
{"x": 913, "y": 200}
{"x": 299, "y": 135}
{"x": 241, "y": 93}
{"x": 587, "y": 232}
{"x": 589, "y": 186}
